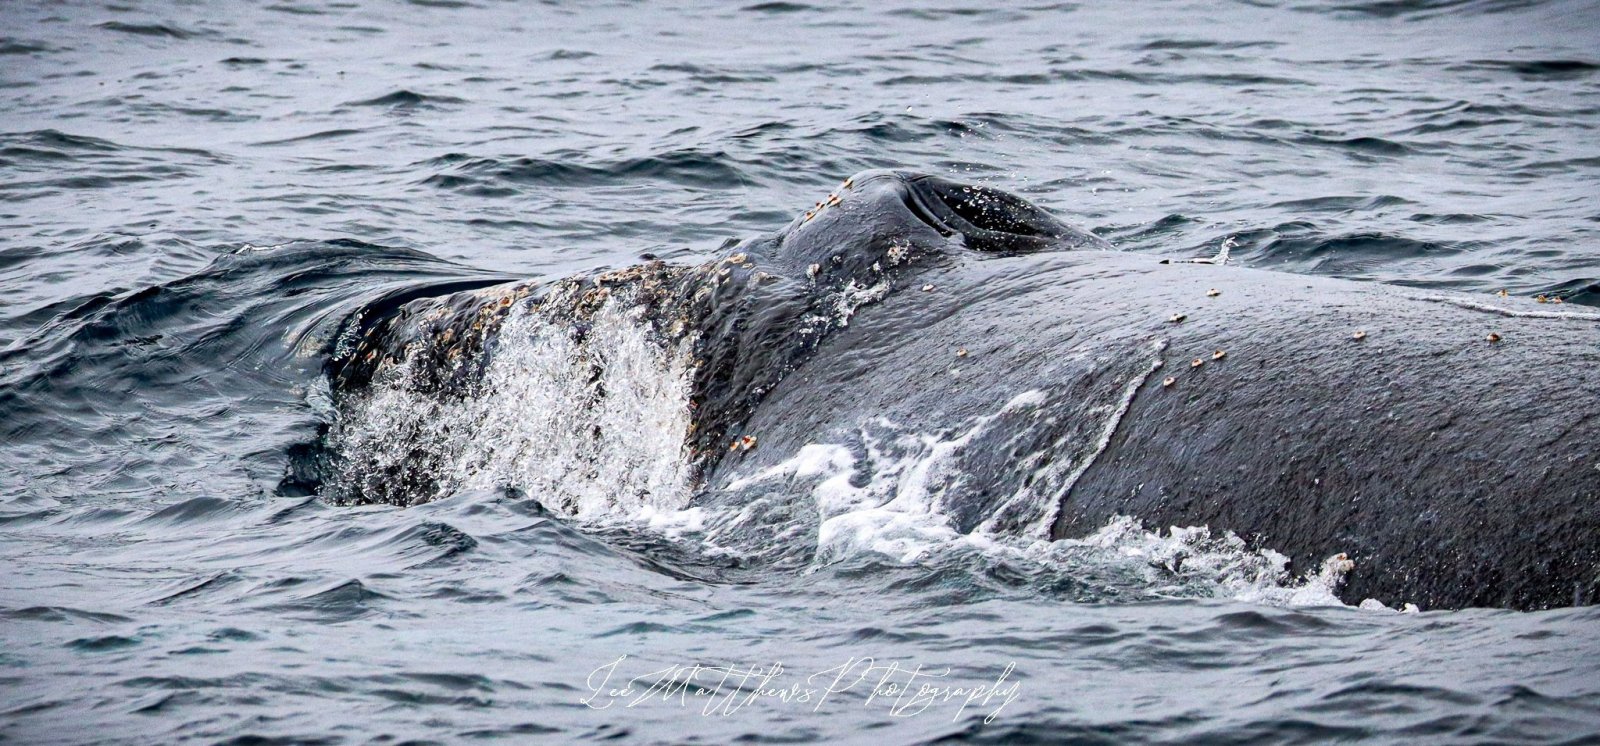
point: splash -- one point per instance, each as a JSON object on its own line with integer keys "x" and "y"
{"x": 888, "y": 494}
{"x": 1189, "y": 556}
{"x": 587, "y": 423}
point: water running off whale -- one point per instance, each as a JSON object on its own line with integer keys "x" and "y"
{"x": 588, "y": 424}
{"x": 973, "y": 370}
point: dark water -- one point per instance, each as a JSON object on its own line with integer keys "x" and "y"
{"x": 193, "y": 196}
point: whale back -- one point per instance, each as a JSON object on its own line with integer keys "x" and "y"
{"x": 1447, "y": 450}
{"x": 417, "y": 373}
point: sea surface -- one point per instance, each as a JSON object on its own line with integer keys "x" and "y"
{"x": 194, "y": 196}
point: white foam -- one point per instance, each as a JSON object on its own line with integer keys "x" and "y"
{"x": 1517, "y": 313}
{"x": 538, "y": 422}
{"x": 1184, "y": 559}
{"x": 249, "y": 248}
{"x": 886, "y": 503}
{"x": 588, "y": 426}
{"x": 671, "y": 523}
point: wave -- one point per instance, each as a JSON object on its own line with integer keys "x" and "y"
{"x": 502, "y": 176}
{"x": 780, "y": 7}
{"x": 65, "y": 162}
{"x": 404, "y": 99}
{"x": 313, "y": 137}
{"x": 236, "y": 338}
{"x": 160, "y": 30}
{"x": 1417, "y": 10}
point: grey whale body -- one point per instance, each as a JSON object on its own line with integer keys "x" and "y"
{"x": 1314, "y": 416}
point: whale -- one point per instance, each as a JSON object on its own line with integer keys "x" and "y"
{"x": 1440, "y": 445}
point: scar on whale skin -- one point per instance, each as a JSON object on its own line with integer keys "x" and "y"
{"x": 1349, "y": 417}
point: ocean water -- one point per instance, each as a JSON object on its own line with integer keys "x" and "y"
{"x": 194, "y": 196}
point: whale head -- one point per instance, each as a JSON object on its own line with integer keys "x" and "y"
{"x": 724, "y": 333}
{"x": 771, "y": 305}
{"x": 881, "y": 218}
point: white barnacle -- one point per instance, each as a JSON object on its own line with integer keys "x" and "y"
{"x": 897, "y": 253}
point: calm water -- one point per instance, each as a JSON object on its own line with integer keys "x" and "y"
{"x": 193, "y": 196}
